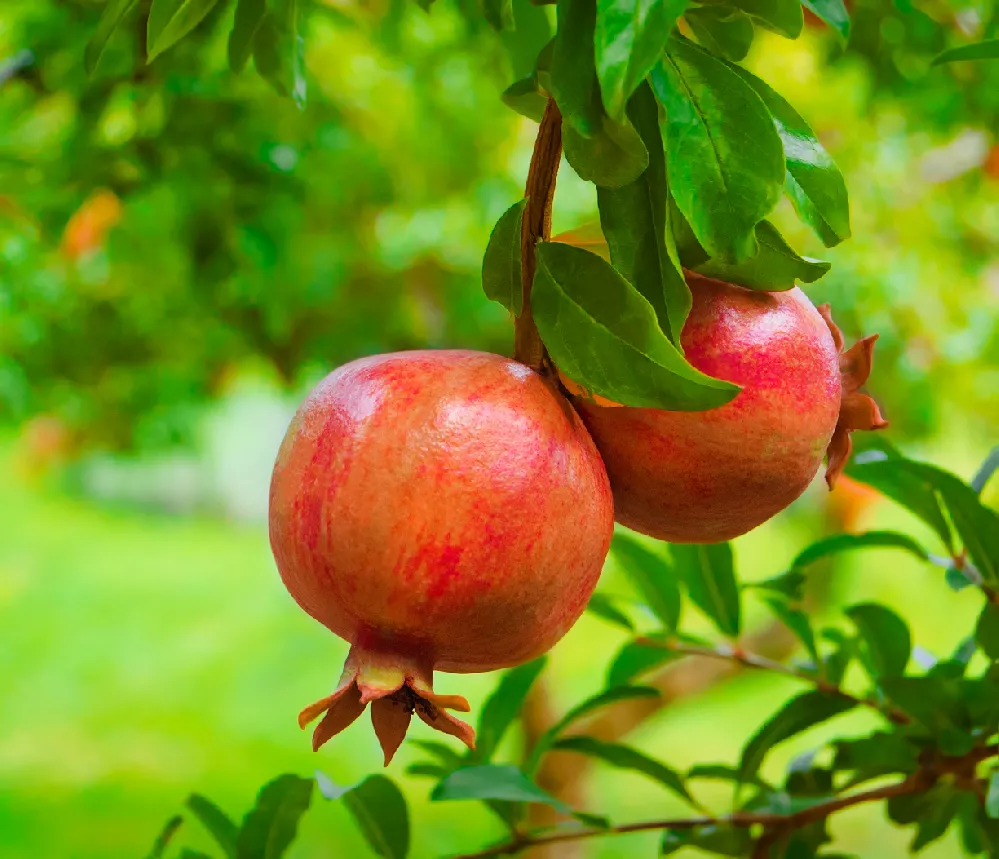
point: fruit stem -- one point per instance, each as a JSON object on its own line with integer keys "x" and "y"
{"x": 537, "y": 226}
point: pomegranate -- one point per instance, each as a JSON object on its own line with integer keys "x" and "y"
{"x": 705, "y": 477}
{"x": 440, "y": 510}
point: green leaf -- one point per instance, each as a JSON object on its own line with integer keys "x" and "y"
{"x": 874, "y": 756}
{"x": 573, "y": 68}
{"x": 528, "y": 39}
{"x": 813, "y": 182}
{"x": 834, "y": 13}
{"x": 986, "y": 470}
{"x": 783, "y": 17}
{"x": 724, "y": 158}
{"x": 634, "y": 659}
{"x": 603, "y": 699}
{"x": 526, "y": 98}
{"x": 934, "y": 700}
{"x": 835, "y": 663}
{"x": 867, "y": 540}
{"x": 379, "y": 809}
{"x": 114, "y": 13}
{"x": 499, "y": 14}
{"x": 725, "y": 31}
{"x": 775, "y": 268}
{"x": 633, "y": 220}
{"x": 279, "y": 51}
{"x": 188, "y": 853}
{"x": 270, "y": 827}
{"x": 797, "y": 621}
{"x": 165, "y": 837}
{"x": 886, "y": 638}
{"x": 603, "y": 607}
{"x": 652, "y": 577}
{"x": 797, "y": 715}
{"x": 790, "y": 584}
{"x": 992, "y": 797}
{"x": 604, "y": 335}
{"x": 443, "y": 752}
{"x": 249, "y": 16}
{"x": 888, "y": 474}
{"x": 501, "y": 273}
{"x": 709, "y": 573}
{"x": 629, "y": 39}
{"x": 987, "y": 631}
{"x": 721, "y": 840}
{"x": 625, "y": 757}
{"x": 502, "y": 707}
{"x": 496, "y": 782}
{"x": 986, "y": 50}
{"x": 216, "y": 821}
{"x": 611, "y": 157}
{"x": 171, "y": 20}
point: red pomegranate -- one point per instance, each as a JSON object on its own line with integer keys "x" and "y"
{"x": 440, "y": 511}
{"x": 705, "y": 477}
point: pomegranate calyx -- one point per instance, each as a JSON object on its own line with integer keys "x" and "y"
{"x": 396, "y": 687}
{"x": 857, "y": 410}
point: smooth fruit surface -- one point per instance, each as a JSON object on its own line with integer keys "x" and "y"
{"x": 702, "y": 477}
{"x": 441, "y": 510}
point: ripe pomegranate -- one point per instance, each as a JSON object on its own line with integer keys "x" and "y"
{"x": 705, "y": 477}
{"x": 440, "y": 511}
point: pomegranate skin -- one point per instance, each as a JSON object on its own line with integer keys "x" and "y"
{"x": 445, "y": 507}
{"x": 705, "y": 477}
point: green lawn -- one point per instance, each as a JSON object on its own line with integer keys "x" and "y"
{"x": 144, "y": 657}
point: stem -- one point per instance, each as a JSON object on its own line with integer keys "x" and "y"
{"x": 752, "y": 660}
{"x": 540, "y": 192}
{"x": 775, "y": 826}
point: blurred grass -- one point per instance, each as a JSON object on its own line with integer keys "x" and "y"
{"x": 145, "y": 657}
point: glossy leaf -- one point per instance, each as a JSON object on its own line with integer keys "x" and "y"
{"x": 987, "y": 631}
{"x": 797, "y": 621}
{"x": 783, "y": 17}
{"x": 279, "y": 51}
{"x": 216, "y": 821}
{"x": 886, "y": 637}
{"x": 724, "y": 158}
{"x": 494, "y": 781}
{"x": 775, "y": 268}
{"x": 652, "y": 577}
{"x": 625, "y": 757}
{"x": 834, "y": 13}
{"x": 573, "y": 70}
{"x": 797, "y": 715}
{"x": 249, "y": 16}
{"x": 634, "y": 659}
{"x": 501, "y": 274}
{"x": 890, "y": 478}
{"x": 499, "y": 14}
{"x": 985, "y": 50}
{"x": 611, "y": 157}
{"x": 605, "y": 608}
{"x": 867, "y": 540}
{"x": 114, "y": 13}
{"x": 814, "y": 183}
{"x": 725, "y": 31}
{"x": 630, "y": 37}
{"x": 379, "y": 810}
{"x": 633, "y": 220}
{"x": 992, "y": 796}
{"x": 270, "y": 827}
{"x": 166, "y": 835}
{"x": 604, "y": 335}
{"x": 502, "y": 707}
{"x": 171, "y": 20}
{"x": 526, "y": 98}
{"x": 986, "y": 470}
{"x": 596, "y": 702}
{"x": 709, "y": 573}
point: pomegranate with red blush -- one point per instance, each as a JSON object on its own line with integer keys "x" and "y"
{"x": 705, "y": 477}
{"x": 439, "y": 510}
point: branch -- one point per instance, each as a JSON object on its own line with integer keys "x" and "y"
{"x": 752, "y": 660}
{"x": 775, "y": 825}
{"x": 540, "y": 193}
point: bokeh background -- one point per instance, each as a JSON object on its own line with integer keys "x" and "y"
{"x": 183, "y": 254}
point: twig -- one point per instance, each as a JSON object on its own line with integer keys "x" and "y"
{"x": 775, "y": 825}
{"x": 540, "y": 193}
{"x": 752, "y": 660}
